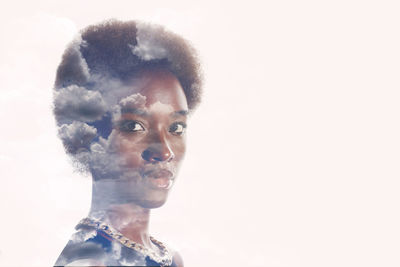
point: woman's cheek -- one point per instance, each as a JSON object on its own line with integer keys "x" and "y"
{"x": 179, "y": 148}
{"x": 128, "y": 150}
{"x": 132, "y": 160}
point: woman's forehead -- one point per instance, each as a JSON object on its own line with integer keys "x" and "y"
{"x": 153, "y": 90}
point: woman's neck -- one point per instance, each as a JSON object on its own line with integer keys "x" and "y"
{"x": 129, "y": 219}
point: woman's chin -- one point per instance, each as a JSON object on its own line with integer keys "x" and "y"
{"x": 151, "y": 204}
{"x": 151, "y": 201}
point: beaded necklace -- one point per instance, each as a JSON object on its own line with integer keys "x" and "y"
{"x": 164, "y": 260}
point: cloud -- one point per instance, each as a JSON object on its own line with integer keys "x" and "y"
{"x": 82, "y": 254}
{"x": 77, "y": 136}
{"x": 101, "y": 158}
{"x": 149, "y": 45}
{"x": 115, "y": 250}
{"x": 77, "y": 61}
{"x": 81, "y": 114}
{"x": 82, "y": 235}
{"x": 74, "y": 68}
{"x": 136, "y": 100}
{"x": 75, "y": 103}
{"x": 113, "y": 90}
{"x": 159, "y": 107}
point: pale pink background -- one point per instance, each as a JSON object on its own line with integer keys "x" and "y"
{"x": 293, "y": 156}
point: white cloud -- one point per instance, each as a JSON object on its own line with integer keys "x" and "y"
{"x": 77, "y": 103}
{"x": 83, "y": 235}
{"x": 149, "y": 45}
{"x": 78, "y": 62}
{"x": 136, "y": 100}
{"x": 159, "y": 107}
{"x": 104, "y": 163}
{"x": 77, "y": 136}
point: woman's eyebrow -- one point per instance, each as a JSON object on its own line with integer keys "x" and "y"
{"x": 180, "y": 113}
{"x": 143, "y": 112}
{"x": 135, "y": 111}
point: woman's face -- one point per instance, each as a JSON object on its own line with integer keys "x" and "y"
{"x": 149, "y": 138}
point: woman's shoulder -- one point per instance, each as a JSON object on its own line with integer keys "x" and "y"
{"x": 177, "y": 259}
{"x": 176, "y": 256}
{"x": 85, "y": 248}
{"x": 81, "y": 254}
{"x": 89, "y": 247}
{"x": 86, "y": 262}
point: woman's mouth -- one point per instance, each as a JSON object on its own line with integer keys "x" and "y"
{"x": 159, "y": 178}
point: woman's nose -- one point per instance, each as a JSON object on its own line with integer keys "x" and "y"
{"x": 158, "y": 152}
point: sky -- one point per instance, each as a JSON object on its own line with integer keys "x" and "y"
{"x": 292, "y": 157}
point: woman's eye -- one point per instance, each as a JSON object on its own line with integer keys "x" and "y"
{"x": 178, "y": 128}
{"x": 131, "y": 126}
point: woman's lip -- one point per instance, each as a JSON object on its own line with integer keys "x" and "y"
{"x": 159, "y": 178}
{"x": 161, "y": 183}
{"x": 158, "y": 173}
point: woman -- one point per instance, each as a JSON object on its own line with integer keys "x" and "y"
{"x": 123, "y": 92}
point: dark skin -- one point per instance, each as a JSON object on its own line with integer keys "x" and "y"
{"x": 149, "y": 137}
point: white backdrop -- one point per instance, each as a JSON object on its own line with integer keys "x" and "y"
{"x": 293, "y": 155}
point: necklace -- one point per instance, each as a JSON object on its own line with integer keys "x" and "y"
{"x": 164, "y": 260}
